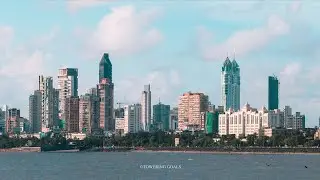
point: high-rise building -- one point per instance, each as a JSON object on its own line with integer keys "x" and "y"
{"x": 105, "y": 91}
{"x": 191, "y": 106}
{"x": 299, "y": 121}
{"x": 288, "y": 117}
{"x": 35, "y": 111}
{"x": 146, "y": 108}
{"x": 89, "y": 113}
{"x": 105, "y": 68}
{"x": 4, "y": 113}
{"x": 230, "y": 82}
{"x": 273, "y": 93}
{"x": 71, "y": 110}
{"x": 132, "y": 116}
{"x": 49, "y": 105}
{"x": 212, "y": 119}
{"x": 107, "y": 121}
{"x": 67, "y": 86}
{"x": 174, "y": 119}
{"x": 161, "y": 116}
{"x": 13, "y": 121}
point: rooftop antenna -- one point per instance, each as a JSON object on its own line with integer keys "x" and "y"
{"x": 159, "y": 100}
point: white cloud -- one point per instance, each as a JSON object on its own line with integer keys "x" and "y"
{"x": 19, "y": 70}
{"x": 295, "y": 6}
{"x": 125, "y": 31}
{"x": 162, "y": 82}
{"x": 76, "y": 5}
{"x": 6, "y": 35}
{"x": 245, "y": 41}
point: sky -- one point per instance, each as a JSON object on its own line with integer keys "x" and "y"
{"x": 176, "y": 46}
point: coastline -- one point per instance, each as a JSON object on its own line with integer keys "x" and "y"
{"x": 22, "y": 149}
{"x": 229, "y": 152}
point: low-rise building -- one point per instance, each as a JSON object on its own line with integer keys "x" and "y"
{"x": 249, "y": 121}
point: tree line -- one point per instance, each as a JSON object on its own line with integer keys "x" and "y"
{"x": 165, "y": 139}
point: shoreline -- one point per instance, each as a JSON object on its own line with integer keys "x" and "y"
{"x": 229, "y": 152}
{"x": 22, "y": 149}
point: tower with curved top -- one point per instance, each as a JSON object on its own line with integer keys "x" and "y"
{"x": 230, "y": 85}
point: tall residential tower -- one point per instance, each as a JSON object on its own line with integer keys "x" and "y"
{"x": 35, "y": 111}
{"x": 67, "y": 86}
{"x": 49, "y": 103}
{"x": 146, "y": 108}
{"x": 230, "y": 82}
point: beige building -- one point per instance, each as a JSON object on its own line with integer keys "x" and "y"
{"x": 122, "y": 125}
{"x": 89, "y": 113}
{"x": 249, "y": 121}
{"x": 317, "y": 135}
{"x": 191, "y": 106}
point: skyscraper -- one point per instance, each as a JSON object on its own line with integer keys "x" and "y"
{"x": 191, "y": 106}
{"x": 105, "y": 68}
{"x": 71, "y": 110}
{"x": 146, "y": 108}
{"x": 161, "y": 116}
{"x": 4, "y": 113}
{"x": 273, "y": 93}
{"x": 35, "y": 111}
{"x": 107, "y": 121}
{"x": 49, "y": 105}
{"x": 105, "y": 91}
{"x": 132, "y": 116}
{"x": 67, "y": 86}
{"x": 12, "y": 121}
{"x": 89, "y": 113}
{"x": 230, "y": 82}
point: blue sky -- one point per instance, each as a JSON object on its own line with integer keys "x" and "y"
{"x": 176, "y": 46}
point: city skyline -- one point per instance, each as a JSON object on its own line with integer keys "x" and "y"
{"x": 147, "y": 48}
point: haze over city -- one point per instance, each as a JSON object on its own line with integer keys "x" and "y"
{"x": 175, "y": 47}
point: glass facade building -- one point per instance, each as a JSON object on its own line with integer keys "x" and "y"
{"x": 161, "y": 116}
{"x": 273, "y": 93}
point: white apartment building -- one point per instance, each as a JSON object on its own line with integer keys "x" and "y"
{"x": 146, "y": 108}
{"x": 50, "y": 103}
{"x": 67, "y": 86}
{"x": 191, "y": 105}
{"x": 132, "y": 116}
{"x": 249, "y": 121}
{"x": 296, "y": 121}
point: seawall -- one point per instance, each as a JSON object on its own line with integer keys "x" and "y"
{"x": 22, "y": 149}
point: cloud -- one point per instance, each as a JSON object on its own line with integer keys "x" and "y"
{"x": 295, "y": 6}
{"x": 19, "y": 70}
{"x": 244, "y": 41}
{"x": 163, "y": 83}
{"x": 298, "y": 82}
{"x": 6, "y": 36}
{"x": 125, "y": 31}
{"x": 75, "y": 5}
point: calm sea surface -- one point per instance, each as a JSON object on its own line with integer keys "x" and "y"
{"x": 114, "y": 166}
